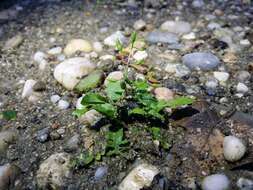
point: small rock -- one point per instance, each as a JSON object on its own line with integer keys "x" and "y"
{"x": 221, "y": 76}
{"x": 215, "y": 182}
{"x": 140, "y": 25}
{"x": 54, "y": 135}
{"x": 140, "y": 55}
{"x": 54, "y": 171}
{"x": 245, "y": 42}
{"x": 243, "y": 76}
{"x": 241, "y": 88}
{"x": 62, "y": 104}
{"x": 78, "y": 103}
{"x": 182, "y": 70}
{"x": 13, "y": 42}
{"x": 100, "y": 173}
{"x": 28, "y": 88}
{"x": 40, "y": 58}
{"x": 39, "y": 86}
{"x": 55, "y": 51}
{"x": 141, "y": 176}
{"x": 8, "y": 176}
{"x": 70, "y": 71}
{"x": 177, "y": 27}
{"x": 200, "y": 60}
{"x": 162, "y": 93}
{"x": 245, "y": 184}
{"x": 198, "y": 3}
{"x": 90, "y": 82}
{"x": 171, "y": 68}
{"x": 190, "y": 36}
{"x": 98, "y": 47}
{"x": 77, "y": 45}
{"x": 43, "y": 135}
{"x": 115, "y": 75}
{"x": 161, "y": 37}
{"x": 7, "y": 138}
{"x": 72, "y": 143}
{"x": 91, "y": 117}
{"x": 213, "y": 26}
{"x": 233, "y": 148}
{"x": 112, "y": 39}
{"x": 55, "y": 98}
{"x": 211, "y": 83}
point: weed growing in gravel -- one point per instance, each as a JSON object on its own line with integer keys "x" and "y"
{"x": 124, "y": 99}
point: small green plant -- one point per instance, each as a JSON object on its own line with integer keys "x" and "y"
{"x": 116, "y": 96}
{"x": 9, "y": 115}
{"x": 83, "y": 160}
{"x": 116, "y": 143}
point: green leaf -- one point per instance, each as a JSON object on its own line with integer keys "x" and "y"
{"x": 179, "y": 101}
{"x": 140, "y": 85}
{"x": 83, "y": 160}
{"x": 156, "y": 133}
{"x": 140, "y": 62}
{"x": 93, "y": 98}
{"x": 106, "y": 109}
{"x": 79, "y": 112}
{"x": 119, "y": 45}
{"x": 133, "y": 39}
{"x": 138, "y": 111}
{"x": 9, "y": 114}
{"x": 115, "y": 142}
{"x": 114, "y": 90}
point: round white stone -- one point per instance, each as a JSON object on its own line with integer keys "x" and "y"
{"x": 140, "y": 55}
{"x": 221, "y": 76}
{"x": 233, "y": 148}
{"x": 55, "y": 98}
{"x": 98, "y": 47}
{"x": 112, "y": 39}
{"x": 215, "y": 182}
{"x": 77, "y": 45}
{"x": 62, "y": 104}
{"x": 28, "y": 88}
{"x": 241, "y": 88}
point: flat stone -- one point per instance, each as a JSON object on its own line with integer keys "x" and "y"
{"x": 161, "y": 37}
{"x": 13, "y": 42}
{"x": 141, "y": 176}
{"x": 112, "y": 39}
{"x": 8, "y": 176}
{"x": 176, "y": 27}
{"x": 76, "y": 45}
{"x": 201, "y": 60}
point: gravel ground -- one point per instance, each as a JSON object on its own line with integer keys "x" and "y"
{"x": 196, "y": 139}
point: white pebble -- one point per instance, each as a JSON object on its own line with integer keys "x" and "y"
{"x": 62, "y": 104}
{"x": 221, "y": 76}
{"x": 55, "y": 51}
{"x": 139, "y": 24}
{"x": 140, "y": 55}
{"x": 55, "y": 98}
{"x": 241, "y": 88}
{"x": 28, "y": 88}
{"x": 78, "y": 103}
{"x": 233, "y": 148}
{"x": 215, "y": 182}
{"x": 98, "y": 47}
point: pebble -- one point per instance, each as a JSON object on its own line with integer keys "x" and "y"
{"x": 55, "y": 51}
{"x": 77, "y": 45}
{"x": 177, "y": 27}
{"x": 55, "y": 98}
{"x": 140, "y": 25}
{"x": 233, "y": 148}
{"x": 28, "y": 88}
{"x": 241, "y": 88}
{"x": 9, "y": 176}
{"x": 215, "y": 182}
{"x": 161, "y": 37}
{"x": 63, "y": 104}
{"x": 141, "y": 176}
{"x": 112, "y": 39}
{"x": 98, "y": 47}
{"x": 115, "y": 75}
{"x": 43, "y": 135}
{"x": 221, "y": 76}
{"x": 140, "y": 55}
{"x": 211, "y": 83}
{"x": 53, "y": 171}
{"x": 40, "y": 58}
{"x": 198, "y": 3}
{"x": 73, "y": 143}
{"x": 245, "y": 184}
{"x": 100, "y": 173}
{"x": 201, "y": 60}
{"x": 78, "y": 103}
{"x": 162, "y": 93}
{"x": 182, "y": 70}
{"x": 69, "y": 72}
{"x": 90, "y": 118}
{"x": 190, "y": 36}
{"x": 213, "y": 26}
{"x": 245, "y": 42}
{"x": 13, "y": 42}
{"x": 243, "y": 76}
{"x": 6, "y": 138}
{"x": 171, "y": 68}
